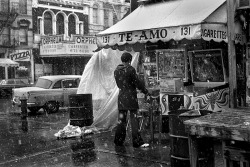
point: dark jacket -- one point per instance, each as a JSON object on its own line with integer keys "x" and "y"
{"x": 127, "y": 82}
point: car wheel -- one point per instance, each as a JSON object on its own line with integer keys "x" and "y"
{"x": 51, "y": 107}
{"x": 3, "y": 93}
{"x": 34, "y": 109}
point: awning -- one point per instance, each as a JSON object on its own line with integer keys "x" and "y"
{"x": 177, "y": 20}
{"x": 4, "y": 62}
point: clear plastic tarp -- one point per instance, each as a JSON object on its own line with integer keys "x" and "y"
{"x": 98, "y": 80}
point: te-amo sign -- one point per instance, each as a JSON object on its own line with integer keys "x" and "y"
{"x": 208, "y": 32}
{"x": 148, "y": 35}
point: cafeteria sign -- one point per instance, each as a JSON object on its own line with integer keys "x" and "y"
{"x": 67, "y": 48}
{"x": 20, "y": 55}
{"x": 84, "y": 45}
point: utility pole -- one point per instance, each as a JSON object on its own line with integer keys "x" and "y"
{"x": 231, "y": 53}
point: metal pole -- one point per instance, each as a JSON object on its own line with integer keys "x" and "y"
{"x": 24, "y": 114}
{"x": 231, "y": 53}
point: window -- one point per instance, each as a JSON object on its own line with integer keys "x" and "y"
{"x": 60, "y": 24}
{"x": 23, "y": 36}
{"x": 70, "y": 83}
{"x": 4, "y": 6}
{"x": 38, "y": 26}
{"x": 43, "y": 83}
{"x": 23, "y": 6}
{"x": 72, "y": 25}
{"x": 57, "y": 85}
{"x": 81, "y": 30}
{"x": 115, "y": 19}
{"x": 106, "y": 18}
{"x": 95, "y": 14}
{"x": 47, "y": 23}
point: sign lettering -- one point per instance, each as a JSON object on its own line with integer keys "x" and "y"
{"x": 84, "y": 39}
{"x": 238, "y": 37}
{"x": 209, "y": 33}
{"x": 141, "y": 35}
{"x": 21, "y": 56}
{"x": 216, "y": 32}
{"x": 185, "y": 31}
{"x": 51, "y": 39}
{"x": 105, "y": 39}
{"x": 78, "y": 45}
{"x": 67, "y": 48}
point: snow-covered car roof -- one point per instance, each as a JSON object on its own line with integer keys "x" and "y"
{"x": 58, "y": 77}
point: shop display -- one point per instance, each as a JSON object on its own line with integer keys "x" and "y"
{"x": 171, "y": 85}
{"x": 150, "y": 68}
{"x": 171, "y": 69}
{"x": 171, "y": 63}
{"x": 190, "y": 80}
{"x": 207, "y": 66}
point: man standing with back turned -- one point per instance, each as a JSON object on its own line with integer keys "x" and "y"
{"x": 127, "y": 82}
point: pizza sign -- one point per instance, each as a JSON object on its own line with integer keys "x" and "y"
{"x": 21, "y": 55}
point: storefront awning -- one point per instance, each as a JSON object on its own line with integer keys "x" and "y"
{"x": 4, "y": 62}
{"x": 177, "y": 20}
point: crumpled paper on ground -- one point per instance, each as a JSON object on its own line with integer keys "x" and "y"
{"x": 70, "y": 131}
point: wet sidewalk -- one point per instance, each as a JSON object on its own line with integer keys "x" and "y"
{"x": 31, "y": 143}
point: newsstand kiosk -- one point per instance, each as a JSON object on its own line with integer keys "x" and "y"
{"x": 187, "y": 80}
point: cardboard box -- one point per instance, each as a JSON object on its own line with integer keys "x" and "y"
{"x": 171, "y": 85}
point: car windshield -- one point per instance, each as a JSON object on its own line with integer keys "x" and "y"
{"x": 43, "y": 83}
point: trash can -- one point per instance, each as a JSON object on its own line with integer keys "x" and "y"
{"x": 81, "y": 110}
{"x": 179, "y": 152}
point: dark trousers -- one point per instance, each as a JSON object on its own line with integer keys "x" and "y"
{"x": 120, "y": 133}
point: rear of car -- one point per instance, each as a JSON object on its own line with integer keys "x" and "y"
{"x": 49, "y": 92}
{"x": 7, "y": 85}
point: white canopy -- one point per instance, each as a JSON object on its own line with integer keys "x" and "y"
{"x": 4, "y": 62}
{"x": 179, "y": 19}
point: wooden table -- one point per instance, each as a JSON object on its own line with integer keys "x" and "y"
{"x": 229, "y": 125}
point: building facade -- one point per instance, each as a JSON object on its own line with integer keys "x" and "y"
{"x": 105, "y": 13}
{"x": 57, "y": 24}
{"x": 16, "y": 38}
{"x": 64, "y": 32}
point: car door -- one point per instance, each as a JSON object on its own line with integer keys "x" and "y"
{"x": 70, "y": 87}
{"x": 57, "y": 92}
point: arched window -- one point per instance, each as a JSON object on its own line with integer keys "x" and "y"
{"x": 72, "y": 25}
{"x": 47, "y": 23}
{"x": 95, "y": 14}
{"x": 39, "y": 26}
{"x": 59, "y": 24}
{"x": 81, "y": 30}
{"x": 106, "y": 18}
{"x": 115, "y": 19}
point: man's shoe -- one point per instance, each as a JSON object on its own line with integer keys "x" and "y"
{"x": 145, "y": 145}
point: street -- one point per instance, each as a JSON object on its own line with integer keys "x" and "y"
{"x": 31, "y": 142}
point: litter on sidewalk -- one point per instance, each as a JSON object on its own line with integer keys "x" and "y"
{"x": 70, "y": 131}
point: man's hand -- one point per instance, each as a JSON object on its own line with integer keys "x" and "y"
{"x": 147, "y": 97}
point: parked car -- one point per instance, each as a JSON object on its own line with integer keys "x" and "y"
{"x": 6, "y": 86}
{"x": 49, "y": 92}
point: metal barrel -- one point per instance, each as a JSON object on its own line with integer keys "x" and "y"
{"x": 179, "y": 152}
{"x": 81, "y": 110}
